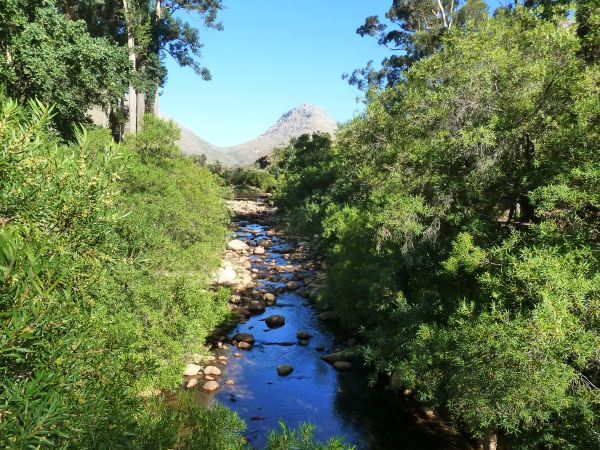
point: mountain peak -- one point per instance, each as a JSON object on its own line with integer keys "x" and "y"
{"x": 305, "y": 110}
{"x": 302, "y": 119}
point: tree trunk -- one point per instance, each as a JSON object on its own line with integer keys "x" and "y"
{"x": 140, "y": 109}
{"x": 157, "y": 17}
{"x": 132, "y": 99}
{"x": 155, "y": 103}
{"x": 489, "y": 442}
{"x": 158, "y": 10}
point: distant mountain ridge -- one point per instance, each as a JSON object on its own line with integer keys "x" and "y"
{"x": 300, "y": 120}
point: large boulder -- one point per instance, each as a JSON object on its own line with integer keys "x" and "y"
{"x": 237, "y": 245}
{"x": 275, "y": 321}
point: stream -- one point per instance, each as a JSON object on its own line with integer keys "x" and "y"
{"x": 337, "y": 402}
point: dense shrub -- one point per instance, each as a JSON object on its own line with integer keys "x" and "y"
{"x": 245, "y": 179}
{"x": 302, "y": 438}
{"x": 461, "y": 230}
{"x": 105, "y": 255}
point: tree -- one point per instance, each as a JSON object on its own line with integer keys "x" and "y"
{"x": 418, "y": 28}
{"x": 50, "y": 57}
{"x": 461, "y": 229}
{"x": 152, "y": 31}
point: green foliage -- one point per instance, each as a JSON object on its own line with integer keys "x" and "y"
{"x": 54, "y": 59}
{"x": 156, "y": 36}
{"x": 417, "y": 28}
{"x": 302, "y": 438}
{"x": 98, "y": 244}
{"x": 305, "y": 173}
{"x": 245, "y": 179}
{"x": 460, "y": 221}
{"x": 198, "y": 427}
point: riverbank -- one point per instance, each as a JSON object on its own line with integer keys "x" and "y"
{"x": 282, "y": 356}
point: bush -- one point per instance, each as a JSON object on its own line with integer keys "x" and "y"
{"x": 459, "y": 216}
{"x": 98, "y": 245}
{"x": 302, "y": 438}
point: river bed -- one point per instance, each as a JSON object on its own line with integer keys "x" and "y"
{"x": 337, "y": 402}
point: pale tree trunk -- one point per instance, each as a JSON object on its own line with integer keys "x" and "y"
{"x": 133, "y": 103}
{"x": 155, "y": 104}
{"x": 489, "y": 442}
{"x": 140, "y": 109}
{"x": 158, "y": 10}
{"x": 158, "y": 16}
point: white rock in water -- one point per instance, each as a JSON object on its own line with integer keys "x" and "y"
{"x": 192, "y": 383}
{"x": 210, "y": 386}
{"x": 259, "y": 251}
{"x": 226, "y": 276}
{"x": 212, "y": 370}
{"x": 237, "y": 245}
{"x": 191, "y": 370}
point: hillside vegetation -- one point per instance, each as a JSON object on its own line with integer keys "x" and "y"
{"x": 105, "y": 252}
{"x": 460, "y": 217}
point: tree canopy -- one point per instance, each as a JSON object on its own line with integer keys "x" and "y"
{"x": 460, "y": 214}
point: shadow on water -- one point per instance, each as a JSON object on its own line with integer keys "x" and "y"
{"x": 338, "y": 403}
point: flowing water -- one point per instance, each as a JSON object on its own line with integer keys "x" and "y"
{"x": 338, "y": 403}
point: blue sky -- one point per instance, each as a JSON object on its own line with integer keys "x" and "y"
{"x": 273, "y": 55}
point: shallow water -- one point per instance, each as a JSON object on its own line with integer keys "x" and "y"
{"x": 337, "y": 403}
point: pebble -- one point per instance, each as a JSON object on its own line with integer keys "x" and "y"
{"x": 284, "y": 370}
{"x": 303, "y": 335}
{"x": 291, "y": 285}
